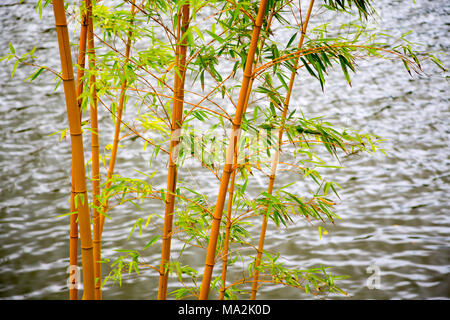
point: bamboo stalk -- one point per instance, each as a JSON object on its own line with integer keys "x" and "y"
{"x": 228, "y": 228}
{"x": 228, "y": 166}
{"x": 233, "y": 178}
{"x": 82, "y": 54}
{"x": 276, "y": 157}
{"x": 79, "y": 182}
{"x": 115, "y": 144}
{"x": 95, "y": 153}
{"x": 73, "y": 244}
{"x": 177, "y": 116}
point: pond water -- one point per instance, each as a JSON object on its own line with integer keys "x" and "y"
{"x": 394, "y": 208}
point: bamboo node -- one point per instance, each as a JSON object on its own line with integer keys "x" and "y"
{"x": 248, "y": 75}
{"x": 77, "y": 192}
{"x": 228, "y": 170}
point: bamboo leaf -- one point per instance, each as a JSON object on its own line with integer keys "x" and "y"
{"x": 198, "y": 32}
{"x": 309, "y": 68}
{"x": 343, "y": 62}
{"x": 14, "y": 68}
{"x": 216, "y": 37}
{"x": 151, "y": 242}
{"x": 326, "y": 187}
{"x": 148, "y": 221}
{"x": 291, "y": 39}
{"x": 323, "y": 231}
{"x": 35, "y": 74}
{"x": 11, "y": 48}
{"x": 280, "y": 77}
{"x": 66, "y": 214}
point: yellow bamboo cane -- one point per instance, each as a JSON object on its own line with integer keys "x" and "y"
{"x": 76, "y": 138}
{"x": 95, "y": 153}
{"x": 276, "y": 157}
{"x": 82, "y": 53}
{"x": 177, "y": 116}
{"x": 73, "y": 244}
{"x": 228, "y": 229}
{"x": 73, "y": 247}
{"x": 233, "y": 178}
{"x": 228, "y": 166}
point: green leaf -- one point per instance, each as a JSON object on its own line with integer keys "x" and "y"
{"x": 307, "y": 289}
{"x": 139, "y": 224}
{"x": 291, "y": 39}
{"x": 14, "y": 68}
{"x": 78, "y": 197}
{"x": 151, "y": 242}
{"x": 35, "y": 74}
{"x": 308, "y": 68}
{"x": 148, "y": 220}
{"x": 66, "y": 214}
{"x": 343, "y": 62}
{"x": 280, "y": 77}
{"x": 437, "y": 62}
{"x": 198, "y": 32}
{"x": 322, "y": 230}
{"x": 326, "y": 187}
{"x": 11, "y": 48}
{"x": 216, "y": 37}
{"x": 105, "y": 214}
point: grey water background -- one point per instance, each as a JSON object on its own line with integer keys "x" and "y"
{"x": 394, "y": 208}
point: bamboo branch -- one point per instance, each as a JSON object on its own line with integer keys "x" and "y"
{"x": 130, "y": 128}
{"x": 303, "y": 52}
{"x": 115, "y": 145}
{"x": 138, "y": 66}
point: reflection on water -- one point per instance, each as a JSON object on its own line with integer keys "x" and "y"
{"x": 394, "y": 208}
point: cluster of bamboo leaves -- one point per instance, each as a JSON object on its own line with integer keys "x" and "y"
{"x": 217, "y": 40}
